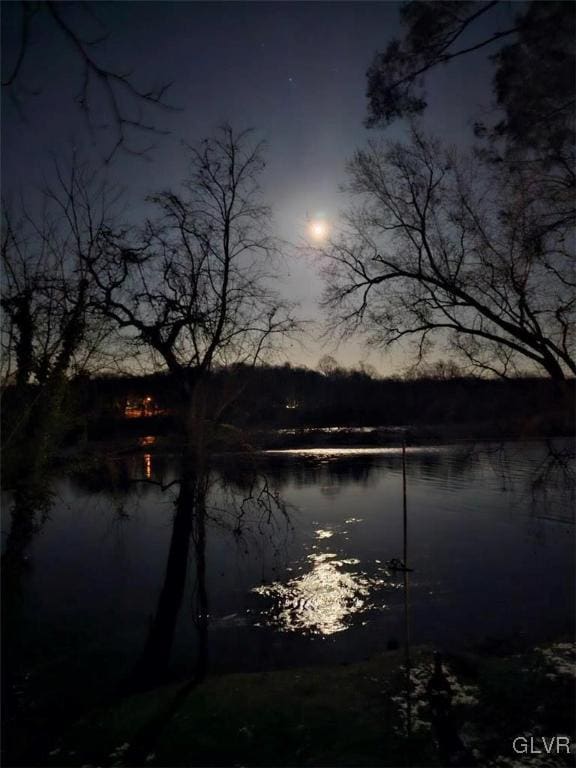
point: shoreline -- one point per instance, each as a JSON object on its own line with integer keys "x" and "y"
{"x": 351, "y": 714}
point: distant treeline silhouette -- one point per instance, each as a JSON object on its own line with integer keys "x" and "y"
{"x": 269, "y": 397}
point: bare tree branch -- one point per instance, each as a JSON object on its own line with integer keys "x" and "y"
{"x": 122, "y": 97}
{"x": 450, "y": 247}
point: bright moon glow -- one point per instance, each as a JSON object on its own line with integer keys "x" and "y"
{"x": 318, "y": 230}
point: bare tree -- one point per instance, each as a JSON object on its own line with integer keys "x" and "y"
{"x": 196, "y": 290}
{"x": 442, "y": 247}
{"x": 440, "y": 370}
{"x": 327, "y": 365}
{"x": 367, "y": 369}
{"x": 50, "y": 326}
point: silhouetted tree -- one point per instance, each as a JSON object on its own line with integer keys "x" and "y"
{"x": 535, "y": 85}
{"x": 535, "y": 68}
{"x": 441, "y": 244}
{"x": 196, "y": 290}
{"x": 440, "y": 370}
{"x": 327, "y": 365}
{"x": 367, "y": 369}
{"x": 51, "y": 330}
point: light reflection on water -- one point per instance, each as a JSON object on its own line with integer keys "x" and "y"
{"x": 148, "y": 466}
{"x": 323, "y": 600}
{"x": 343, "y": 452}
{"x": 328, "y": 597}
{"x": 344, "y": 430}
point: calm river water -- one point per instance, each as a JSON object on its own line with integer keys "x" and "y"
{"x": 490, "y": 542}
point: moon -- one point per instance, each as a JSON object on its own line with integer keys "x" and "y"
{"x": 318, "y": 229}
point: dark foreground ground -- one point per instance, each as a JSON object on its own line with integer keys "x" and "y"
{"x": 465, "y": 709}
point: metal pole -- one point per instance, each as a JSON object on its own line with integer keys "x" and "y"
{"x": 406, "y": 598}
{"x": 404, "y": 504}
{"x": 407, "y": 659}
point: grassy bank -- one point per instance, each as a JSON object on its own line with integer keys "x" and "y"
{"x": 348, "y": 715}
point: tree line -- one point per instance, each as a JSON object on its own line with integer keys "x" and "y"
{"x": 285, "y": 397}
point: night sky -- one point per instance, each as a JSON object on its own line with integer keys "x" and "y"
{"x": 293, "y": 71}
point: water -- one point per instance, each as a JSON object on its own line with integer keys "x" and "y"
{"x": 298, "y": 574}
